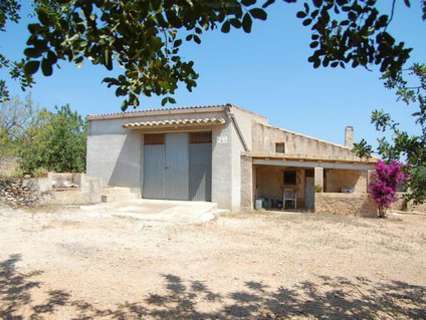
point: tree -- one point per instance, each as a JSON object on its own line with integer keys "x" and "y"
{"x": 55, "y": 141}
{"x": 401, "y": 145}
{"x": 15, "y": 118}
{"x": 144, "y": 37}
{"x": 9, "y": 11}
{"x": 386, "y": 180}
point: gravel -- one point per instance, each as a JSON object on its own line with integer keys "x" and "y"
{"x": 72, "y": 263}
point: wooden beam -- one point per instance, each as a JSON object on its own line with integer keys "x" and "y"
{"x": 314, "y": 164}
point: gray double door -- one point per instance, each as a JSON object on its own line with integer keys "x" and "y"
{"x": 176, "y": 169}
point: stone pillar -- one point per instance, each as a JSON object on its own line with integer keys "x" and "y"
{"x": 370, "y": 175}
{"x": 247, "y": 181}
{"x": 319, "y": 178}
{"x": 222, "y": 167}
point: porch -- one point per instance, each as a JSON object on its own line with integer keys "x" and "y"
{"x": 300, "y": 184}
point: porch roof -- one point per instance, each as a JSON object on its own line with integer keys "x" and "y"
{"x": 303, "y": 161}
{"x": 175, "y": 123}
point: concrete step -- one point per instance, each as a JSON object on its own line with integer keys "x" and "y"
{"x": 115, "y": 194}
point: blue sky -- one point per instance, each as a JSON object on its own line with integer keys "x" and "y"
{"x": 266, "y": 71}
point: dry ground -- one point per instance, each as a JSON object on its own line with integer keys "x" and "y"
{"x": 70, "y": 264}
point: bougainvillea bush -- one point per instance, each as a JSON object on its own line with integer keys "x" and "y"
{"x": 386, "y": 180}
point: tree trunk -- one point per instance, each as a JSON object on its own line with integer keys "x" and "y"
{"x": 382, "y": 212}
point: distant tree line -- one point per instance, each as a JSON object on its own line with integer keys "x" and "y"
{"x": 42, "y": 140}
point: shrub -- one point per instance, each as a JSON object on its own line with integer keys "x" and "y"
{"x": 386, "y": 180}
{"x": 40, "y": 172}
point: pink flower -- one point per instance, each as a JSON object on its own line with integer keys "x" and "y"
{"x": 386, "y": 180}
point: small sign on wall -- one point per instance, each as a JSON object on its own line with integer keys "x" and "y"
{"x": 222, "y": 139}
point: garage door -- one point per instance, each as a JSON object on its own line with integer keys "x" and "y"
{"x": 177, "y": 166}
{"x": 200, "y": 163}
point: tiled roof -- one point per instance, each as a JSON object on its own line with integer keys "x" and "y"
{"x": 155, "y": 111}
{"x": 166, "y": 111}
{"x": 175, "y": 123}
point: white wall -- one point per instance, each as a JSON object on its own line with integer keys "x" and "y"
{"x": 222, "y": 166}
{"x": 113, "y": 154}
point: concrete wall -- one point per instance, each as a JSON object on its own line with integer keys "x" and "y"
{"x": 336, "y": 180}
{"x": 114, "y": 157}
{"x": 222, "y": 166}
{"x": 114, "y": 153}
{"x": 242, "y": 175}
{"x": 265, "y": 137}
{"x": 345, "y": 204}
{"x": 55, "y": 189}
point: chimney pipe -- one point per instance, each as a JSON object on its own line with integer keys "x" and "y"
{"x": 349, "y": 136}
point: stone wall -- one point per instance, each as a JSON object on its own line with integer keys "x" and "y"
{"x": 345, "y": 204}
{"x": 8, "y": 166}
{"x": 247, "y": 182}
{"x": 337, "y": 180}
{"x": 265, "y": 137}
{"x": 67, "y": 189}
{"x": 401, "y": 205}
{"x": 418, "y": 208}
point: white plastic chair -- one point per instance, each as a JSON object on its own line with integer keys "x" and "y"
{"x": 290, "y": 196}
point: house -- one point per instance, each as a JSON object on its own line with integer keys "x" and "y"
{"x": 227, "y": 155}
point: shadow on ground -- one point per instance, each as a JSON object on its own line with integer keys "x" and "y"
{"x": 328, "y": 298}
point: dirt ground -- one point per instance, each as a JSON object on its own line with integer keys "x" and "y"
{"x": 76, "y": 264}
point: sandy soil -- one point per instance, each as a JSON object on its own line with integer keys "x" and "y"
{"x": 74, "y": 264}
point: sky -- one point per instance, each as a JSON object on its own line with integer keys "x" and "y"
{"x": 266, "y": 72}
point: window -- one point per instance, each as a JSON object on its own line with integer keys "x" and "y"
{"x": 152, "y": 139}
{"x": 289, "y": 178}
{"x": 280, "y": 147}
{"x": 201, "y": 137}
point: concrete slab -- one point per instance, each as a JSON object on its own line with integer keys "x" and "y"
{"x": 158, "y": 211}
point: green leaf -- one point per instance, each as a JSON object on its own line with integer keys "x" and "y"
{"x": 301, "y": 14}
{"x": 46, "y": 67}
{"x": 226, "y": 27}
{"x": 34, "y": 27}
{"x": 247, "y": 23}
{"x": 307, "y": 22}
{"x": 248, "y": 2}
{"x": 258, "y": 13}
{"x": 32, "y": 53}
{"x": 51, "y": 56}
{"x": 31, "y": 67}
{"x": 268, "y": 3}
{"x": 197, "y": 39}
{"x": 317, "y": 3}
{"x": 172, "y": 100}
{"x": 43, "y": 16}
{"x": 235, "y": 23}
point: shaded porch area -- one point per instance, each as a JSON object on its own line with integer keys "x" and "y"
{"x": 288, "y": 188}
{"x": 297, "y": 185}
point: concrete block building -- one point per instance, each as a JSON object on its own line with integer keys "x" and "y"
{"x": 227, "y": 155}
